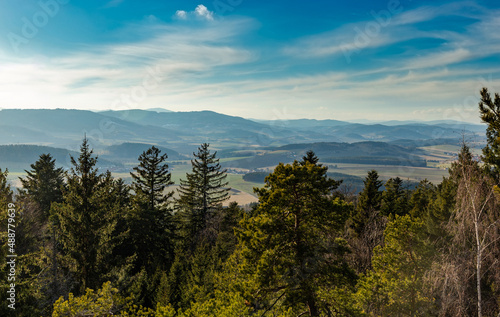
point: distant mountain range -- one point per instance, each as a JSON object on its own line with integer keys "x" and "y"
{"x": 182, "y": 132}
{"x": 244, "y": 145}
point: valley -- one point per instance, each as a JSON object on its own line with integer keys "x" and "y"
{"x": 405, "y": 149}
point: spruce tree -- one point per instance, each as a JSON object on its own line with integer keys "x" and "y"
{"x": 78, "y": 217}
{"x": 150, "y": 220}
{"x": 366, "y": 225}
{"x": 202, "y": 192}
{"x": 421, "y": 199}
{"x": 44, "y": 183}
{"x": 42, "y": 186}
{"x": 87, "y": 221}
{"x": 309, "y": 157}
{"x": 6, "y": 192}
{"x": 394, "y": 200}
{"x": 370, "y": 197}
{"x": 369, "y": 202}
{"x": 151, "y": 178}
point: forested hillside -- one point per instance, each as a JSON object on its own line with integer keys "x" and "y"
{"x": 80, "y": 242}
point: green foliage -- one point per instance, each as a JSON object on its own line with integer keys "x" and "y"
{"x": 100, "y": 303}
{"x": 291, "y": 241}
{"x": 421, "y": 199}
{"x": 201, "y": 194}
{"x": 441, "y": 209}
{"x": 150, "y": 220}
{"x": 395, "y": 286}
{"x": 104, "y": 302}
{"x": 490, "y": 114}
{"x": 5, "y": 198}
{"x": 371, "y": 196}
{"x": 5, "y": 190}
{"x": 365, "y": 225}
{"x": 222, "y": 305}
{"x": 87, "y": 221}
{"x": 151, "y": 178}
{"x": 44, "y": 183}
{"x": 310, "y": 157}
{"x": 395, "y": 198}
{"x": 193, "y": 275}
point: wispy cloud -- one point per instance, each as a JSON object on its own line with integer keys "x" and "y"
{"x": 178, "y": 53}
{"x": 387, "y": 29}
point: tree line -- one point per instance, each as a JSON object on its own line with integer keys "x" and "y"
{"x": 88, "y": 244}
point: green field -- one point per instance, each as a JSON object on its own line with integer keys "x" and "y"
{"x": 433, "y": 174}
{"x": 442, "y": 148}
{"x": 442, "y": 156}
{"x": 405, "y": 172}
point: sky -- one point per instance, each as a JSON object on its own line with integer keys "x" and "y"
{"x": 344, "y": 60}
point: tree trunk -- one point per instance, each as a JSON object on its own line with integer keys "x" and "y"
{"x": 55, "y": 285}
{"x": 478, "y": 269}
{"x": 311, "y": 304}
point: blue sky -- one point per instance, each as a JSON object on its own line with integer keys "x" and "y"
{"x": 375, "y": 60}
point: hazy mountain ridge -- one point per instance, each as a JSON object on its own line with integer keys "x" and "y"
{"x": 131, "y": 151}
{"x": 182, "y": 132}
{"x": 21, "y": 156}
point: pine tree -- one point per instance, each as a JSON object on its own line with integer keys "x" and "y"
{"x": 291, "y": 243}
{"x": 202, "y": 193}
{"x": 490, "y": 114}
{"x": 44, "y": 183}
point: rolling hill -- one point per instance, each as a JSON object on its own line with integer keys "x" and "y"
{"x": 184, "y": 131}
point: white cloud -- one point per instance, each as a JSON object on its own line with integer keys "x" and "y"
{"x": 181, "y": 14}
{"x": 200, "y": 12}
{"x": 203, "y": 12}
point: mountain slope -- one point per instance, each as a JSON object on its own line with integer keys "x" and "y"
{"x": 131, "y": 151}
{"x": 66, "y": 128}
